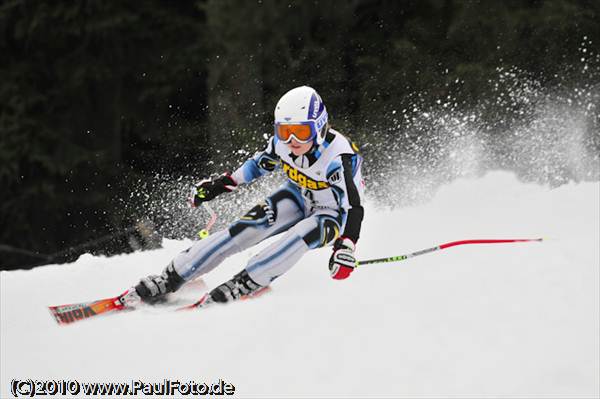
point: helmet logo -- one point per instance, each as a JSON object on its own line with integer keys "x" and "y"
{"x": 315, "y": 108}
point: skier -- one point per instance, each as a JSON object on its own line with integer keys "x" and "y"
{"x": 319, "y": 205}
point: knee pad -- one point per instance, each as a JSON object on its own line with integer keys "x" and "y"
{"x": 262, "y": 215}
{"x": 330, "y": 231}
{"x": 324, "y": 234}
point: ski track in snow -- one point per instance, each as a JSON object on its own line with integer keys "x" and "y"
{"x": 471, "y": 321}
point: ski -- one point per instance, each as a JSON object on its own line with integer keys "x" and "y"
{"x": 67, "y": 314}
{"x": 128, "y": 300}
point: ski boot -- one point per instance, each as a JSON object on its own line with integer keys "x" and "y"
{"x": 153, "y": 289}
{"x": 240, "y": 285}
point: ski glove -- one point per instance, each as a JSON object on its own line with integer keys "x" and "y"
{"x": 342, "y": 261}
{"x": 208, "y": 189}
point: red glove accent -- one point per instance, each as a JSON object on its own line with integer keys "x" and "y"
{"x": 342, "y": 273}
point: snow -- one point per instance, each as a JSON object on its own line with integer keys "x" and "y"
{"x": 483, "y": 320}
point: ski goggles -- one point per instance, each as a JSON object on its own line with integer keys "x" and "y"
{"x": 302, "y": 132}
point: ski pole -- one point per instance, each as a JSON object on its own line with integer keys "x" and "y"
{"x": 213, "y": 217}
{"x": 442, "y": 246}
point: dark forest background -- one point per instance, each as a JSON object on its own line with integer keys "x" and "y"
{"x": 98, "y": 96}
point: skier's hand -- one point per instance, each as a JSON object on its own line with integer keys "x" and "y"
{"x": 342, "y": 261}
{"x": 208, "y": 189}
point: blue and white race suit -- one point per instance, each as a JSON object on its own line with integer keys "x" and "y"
{"x": 321, "y": 200}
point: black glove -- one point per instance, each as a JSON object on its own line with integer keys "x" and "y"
{"x": 208, "y": 189}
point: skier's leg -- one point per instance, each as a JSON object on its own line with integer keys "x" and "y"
{"x": 319, "y": 230}
{"x": 281, "y": 210}
{"x": 284, "y": 208}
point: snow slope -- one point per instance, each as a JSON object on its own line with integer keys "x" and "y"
{"x": 496, "y": 320}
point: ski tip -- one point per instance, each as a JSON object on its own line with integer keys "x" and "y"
{"x": 70, "y": 313}
{"x": 52, "y": 310}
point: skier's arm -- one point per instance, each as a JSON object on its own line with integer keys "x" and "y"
{"x": 345, "y": 176}
{"x": 261, "y": 163}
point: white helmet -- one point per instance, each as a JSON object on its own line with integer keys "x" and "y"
{"x": 301, "y": 113}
